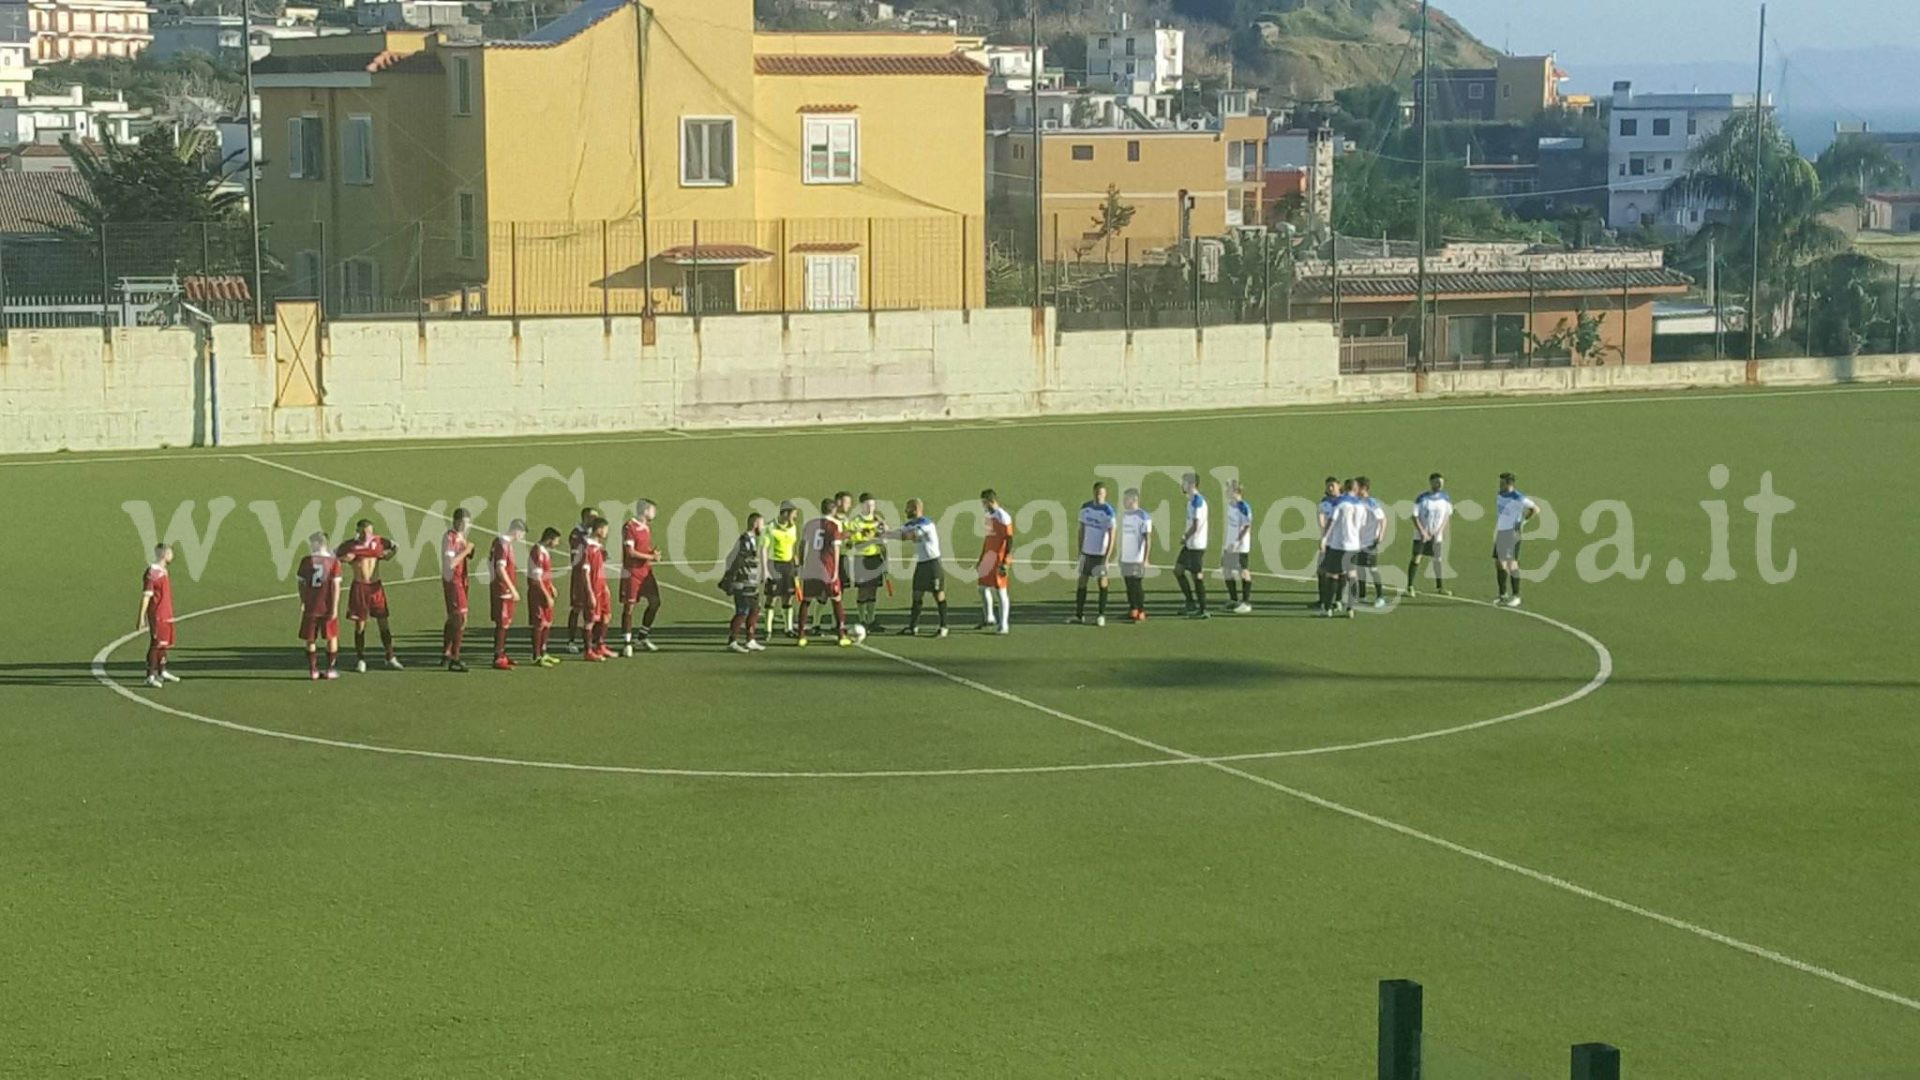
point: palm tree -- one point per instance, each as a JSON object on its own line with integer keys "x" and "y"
{"x": 156, "y": 206}
{"x": 1797, "y": 208}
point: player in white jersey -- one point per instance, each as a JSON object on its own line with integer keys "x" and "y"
{"x": 929, "y": 575}
{"x": 1372, "y": 527}
{"x": 1136, "y": 553}
{"x": 1236, "y": 546}
{"x": 1511, "y": 511}
{"x": 1097, "y": 521}
{"x": 1432, "y": 516}
{"x": 1189, "y": 567}
{"x": 1339, "y": 545}
{"x": 1328, "y": 500}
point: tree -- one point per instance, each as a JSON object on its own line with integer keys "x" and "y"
{"x": 1796, "y": 206}
{"x": 155, "y": 207}
{"x": 1582, "y": 339}
{"x": 1113, "y": 218}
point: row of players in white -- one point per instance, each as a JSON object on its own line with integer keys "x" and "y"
{"x": 1352, "y": 524}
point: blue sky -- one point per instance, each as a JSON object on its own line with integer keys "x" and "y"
{"x": 1681, "y": 31}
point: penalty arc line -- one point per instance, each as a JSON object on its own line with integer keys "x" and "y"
{"x": 1321, "y": 802}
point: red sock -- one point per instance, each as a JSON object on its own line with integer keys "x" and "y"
{"x": 153, "y": 659}
{"x": 840, "y": 616}
{"x": 313, "y": 662}
{"x": 458, "y": 633}
{"x": 539, "y": 642}
{"x": 802, "y": 621}
{"x": 499, "y": 640}
{"x": 386, "y": 640}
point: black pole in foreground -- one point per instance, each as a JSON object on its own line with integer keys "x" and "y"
{"x": 1400, "y": 1023}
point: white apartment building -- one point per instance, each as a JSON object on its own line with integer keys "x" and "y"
{"x": 1649, "y": 148}
{"x": 46, "y": 118}
{"x": 1013, "y": 67}
{"x": 1136, "y": 61}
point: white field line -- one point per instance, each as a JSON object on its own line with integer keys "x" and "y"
{"x": 536, "y": 444}
{"x": 1408, "y": 831}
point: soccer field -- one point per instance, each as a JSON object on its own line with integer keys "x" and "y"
{"x": 1672, "y": 810}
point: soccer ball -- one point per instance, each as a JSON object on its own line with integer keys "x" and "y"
{"x": 858, "y": 633}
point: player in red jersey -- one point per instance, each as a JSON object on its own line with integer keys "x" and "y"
{"x": 456, "y": 553}
{"x": 320, "y": 605}
{"x": 502, "y": 591}
{"x": 637, "y": 556}
{"x": 576, "y": 552}
{"x": 156, "y": 616}
{"x": 540, "y": 594}
{"x": 820, "y": 570}
{"x": 600, "y": 599}
{"x": 366, "y": 593}
{"x": 996, "y": 556}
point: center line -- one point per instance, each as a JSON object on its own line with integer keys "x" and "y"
{"x": 1540, "y": 876}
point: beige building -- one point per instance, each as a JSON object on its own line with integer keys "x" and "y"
{"x": 1181, "y": 184}
{"x": 664, "y": 157}
{"x": 89, "y": 29}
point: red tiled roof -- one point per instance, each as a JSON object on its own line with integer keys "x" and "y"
{"x": 828, "y": 108}
{"x": 825, "y": 247}
{"x": 203, "y": 288}
{"x": 688, "y": 253}
{"x": 27, "y": 199}
{"x": 942, "y": 64}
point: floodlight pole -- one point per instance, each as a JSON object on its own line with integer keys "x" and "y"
{"x": 253, "y": 164}
{"x": 1420, "y": 256}
{"x": 1759, "y": 155}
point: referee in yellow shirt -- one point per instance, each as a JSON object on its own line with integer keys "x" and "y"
{"x": 782, "y": 542}
{"x": 869, "y": 558}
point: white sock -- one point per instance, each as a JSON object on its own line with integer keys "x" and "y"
{"x": 986, "y": 600}
{"x": 1006, "y": 606}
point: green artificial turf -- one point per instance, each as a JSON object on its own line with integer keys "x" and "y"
{"x": 179, "y": 899}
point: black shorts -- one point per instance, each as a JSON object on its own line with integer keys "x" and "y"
{"x": 870, "y": 570}
{"x": 779, "y": 580}
{"x": 1336, "y": 563}
{"x": 745, "y": 603}
{"x": 1366, "y": 560}
{"x": 1093, "y": 566}
{"x": 1191, "y": 561}
{"x": 813, "y": 588}
{"x": 929, "y": 576}
{"x": 1429, "y": 549}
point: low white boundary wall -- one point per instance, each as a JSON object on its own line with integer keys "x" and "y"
{"x": 142, "y": 388}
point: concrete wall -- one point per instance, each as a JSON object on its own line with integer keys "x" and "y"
{"x": 144, "y": 387}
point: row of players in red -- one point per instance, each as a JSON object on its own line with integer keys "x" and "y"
{"x": 353, "y": 569}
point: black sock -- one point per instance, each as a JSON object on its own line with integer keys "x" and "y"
{"x": 913, "y": 613}
{"x": 1080, "y": 600}
{"x": 1500, "y": 575}
{"x": 940, "y": 603}
{"x": 1514, "y": 577}
{"x": 1246, "y": 591}
{"x": 1233, "y": 590}
{"x": 1103, "y": 601}
{"x": 1200, "y": 589}
{"x": 1413, "y": 572}
{"x": 1186, "y": 587}
{"x": 1379, "y": 584}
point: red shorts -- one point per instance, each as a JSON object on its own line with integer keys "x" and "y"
{"x": 455, "y": 592}
{"x": 160, "y": 633}
{"x": 639, "y": 585}
{"x": 366, "y": 600}
{"x": 818, "y": 589}
{"x": 503, "y": 610}
{"x": 580, "y": 594}
{"x": 602, "y": 604}
{"x": 540, "y": 610}
{"x": 316, "y": 627}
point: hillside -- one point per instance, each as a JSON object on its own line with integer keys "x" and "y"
{"x": 1306, "y": 49}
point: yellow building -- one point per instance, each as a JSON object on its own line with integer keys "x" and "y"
{"x": 622, "y": 149}
{"x": 1180, "y": 184}
{"x": 1527, "y": 86}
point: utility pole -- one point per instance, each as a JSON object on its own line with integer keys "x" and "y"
{"x": 1759, "y": 155}
{"x": 1420, "y": 264}
{"x": 1033, "y": 106}
{"x": 253, "y": 162}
